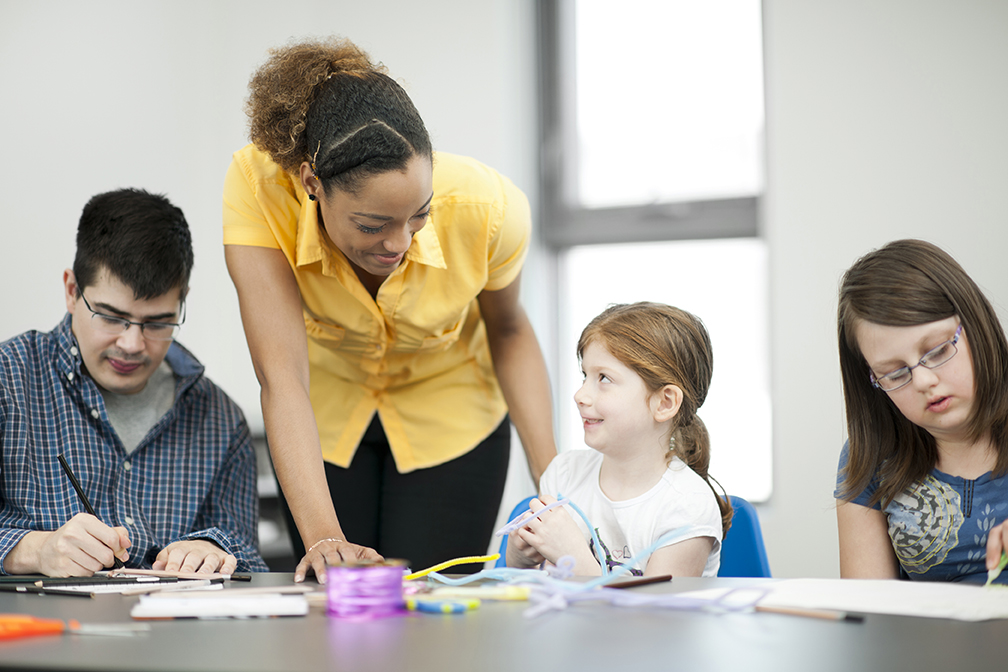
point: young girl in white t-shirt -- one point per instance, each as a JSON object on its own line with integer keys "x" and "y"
{"x": 647, "y": 368}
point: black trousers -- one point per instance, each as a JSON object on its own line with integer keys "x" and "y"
{"x": 426, "y": 516}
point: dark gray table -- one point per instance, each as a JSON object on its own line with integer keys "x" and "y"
{"x": 496, "y": 637}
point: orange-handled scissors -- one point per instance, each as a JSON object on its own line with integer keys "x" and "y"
{"x": 13, "y": 626}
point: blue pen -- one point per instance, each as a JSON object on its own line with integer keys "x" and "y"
{"x": 84, "y": 500}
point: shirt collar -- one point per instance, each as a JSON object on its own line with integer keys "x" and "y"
{"x": 314, "y": 247}
{"x": 68, "y": 357}
{"x": 426, "y": 248}
{"x": 182, "y": 362}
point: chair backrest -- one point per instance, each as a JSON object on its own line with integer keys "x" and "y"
{"x": 742, "y": 551}
{"x": 519, "y": 508}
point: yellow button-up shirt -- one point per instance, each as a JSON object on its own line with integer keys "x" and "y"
{"x": 418, "y": 353}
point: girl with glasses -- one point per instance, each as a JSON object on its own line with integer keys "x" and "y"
{"x": 922, "y": 487}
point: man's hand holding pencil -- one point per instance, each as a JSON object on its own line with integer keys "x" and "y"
{"x": 80, "y": 547}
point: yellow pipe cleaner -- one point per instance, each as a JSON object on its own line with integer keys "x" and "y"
{"x": 451, "y": 563}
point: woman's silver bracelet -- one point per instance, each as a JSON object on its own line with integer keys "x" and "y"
{"x": 322, "y": 541}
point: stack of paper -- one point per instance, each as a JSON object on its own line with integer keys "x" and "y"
{"x": 234, "y": 603}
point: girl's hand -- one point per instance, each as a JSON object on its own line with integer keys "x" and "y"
{"x": 997, "y": 543}
{"x": 520, "y": 553}
{"x": 554, "y": 534}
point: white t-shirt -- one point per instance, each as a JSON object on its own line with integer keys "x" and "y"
{"x": 681, "y": 499}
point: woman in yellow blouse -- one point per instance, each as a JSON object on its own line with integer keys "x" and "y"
{"x": 378, "y": 284}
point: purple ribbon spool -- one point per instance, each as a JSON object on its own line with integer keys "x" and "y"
{"x": 365, "y": 591}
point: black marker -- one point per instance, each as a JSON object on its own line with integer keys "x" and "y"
{"x": 84, "y": 500}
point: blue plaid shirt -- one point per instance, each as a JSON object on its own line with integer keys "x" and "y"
{"x": 192, "y": 477}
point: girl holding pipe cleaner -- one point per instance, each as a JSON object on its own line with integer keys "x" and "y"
{"x": 647, "y": 369}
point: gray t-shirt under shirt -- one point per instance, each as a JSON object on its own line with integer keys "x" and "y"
{"x": 134, "y": 415}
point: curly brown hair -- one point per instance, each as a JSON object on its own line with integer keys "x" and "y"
{"x": 326, "y": 102}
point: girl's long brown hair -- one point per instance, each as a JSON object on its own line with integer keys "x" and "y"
{"x": 907, "y": 283}
{"x": 665, "y": 346}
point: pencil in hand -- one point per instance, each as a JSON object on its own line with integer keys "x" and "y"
{"x": 118, "y": 564}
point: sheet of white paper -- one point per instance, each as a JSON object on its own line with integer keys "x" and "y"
{"x": 958, "y": 601}
{"x": 174, "y": 606}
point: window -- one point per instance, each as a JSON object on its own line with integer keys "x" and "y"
{"x": 672, "y": 89}
{"x": 734, "y": 310}
{"x": 652, "y": 121}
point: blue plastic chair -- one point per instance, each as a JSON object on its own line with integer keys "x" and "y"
{"x": 521, "y": 507}
{"x": 742, "y": 551}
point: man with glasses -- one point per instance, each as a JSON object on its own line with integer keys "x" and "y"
{"x": 160, "y": 452}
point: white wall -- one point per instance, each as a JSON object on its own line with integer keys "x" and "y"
{"x": 101, "y": 95}
{"x": 885, "y": 120}
{"x": 108, "y": 94}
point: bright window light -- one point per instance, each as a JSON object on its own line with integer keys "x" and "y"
{"x": 723, "y": 283}
{"x": 669, "y": 101}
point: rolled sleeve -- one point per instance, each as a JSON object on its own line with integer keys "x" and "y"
{"x": 253, "y": 199}
{"x": 509, "y": 237}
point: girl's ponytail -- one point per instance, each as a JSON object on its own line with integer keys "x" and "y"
{"x": 691, "y": 444}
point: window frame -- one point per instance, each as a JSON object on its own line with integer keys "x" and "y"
{"x": 566, "y": 224}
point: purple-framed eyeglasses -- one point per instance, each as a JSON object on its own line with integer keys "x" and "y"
{"x": 932, "y": 359}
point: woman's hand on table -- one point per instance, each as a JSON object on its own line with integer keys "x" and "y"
{"x": 331, "y": 552}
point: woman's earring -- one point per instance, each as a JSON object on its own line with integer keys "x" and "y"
{"x": 311, "y": 197}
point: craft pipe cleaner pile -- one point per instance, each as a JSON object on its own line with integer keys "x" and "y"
{"x": 549, "y": 589}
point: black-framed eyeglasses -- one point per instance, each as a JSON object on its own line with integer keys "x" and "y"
{"x": 932, "y": 359}
{"x": 154, "y": 331}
